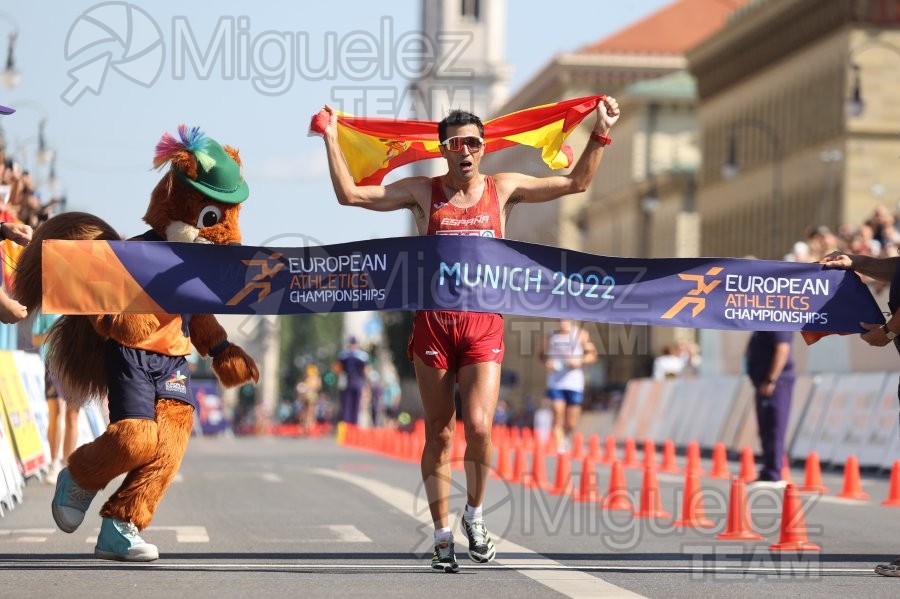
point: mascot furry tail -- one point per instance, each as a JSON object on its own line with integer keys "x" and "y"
{"x": 84, "y": 379}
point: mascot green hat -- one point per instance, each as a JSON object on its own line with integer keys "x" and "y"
{"x": 219, "y": 175}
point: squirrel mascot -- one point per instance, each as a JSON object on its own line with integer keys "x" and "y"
{"x": 138, "y": 361}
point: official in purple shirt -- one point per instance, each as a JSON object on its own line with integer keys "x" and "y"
{"x": 770, "y": 365}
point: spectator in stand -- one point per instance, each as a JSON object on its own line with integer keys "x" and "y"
{"x": 799, "y": 253}
{"x": 669, "y": 364}
{"x": 882, "y": 223}
{"x": 821, "y": 241}
{"x": 689, "y": 353}
{"x": 11, "y": 311}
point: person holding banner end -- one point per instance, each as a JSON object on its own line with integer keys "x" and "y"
{"x": 449, "y": 347}
{"x": 12, "y": 311}
{"x": 877, "y": 334}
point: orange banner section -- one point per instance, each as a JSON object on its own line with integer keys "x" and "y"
{"x": 86, "y": 277}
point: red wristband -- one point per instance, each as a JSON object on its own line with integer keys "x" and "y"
{"x": 601, "y": 139}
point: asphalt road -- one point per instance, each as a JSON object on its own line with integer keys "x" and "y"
{"x": 276, "y": 517}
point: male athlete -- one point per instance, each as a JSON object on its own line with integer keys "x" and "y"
{"x": 462, "y": 347}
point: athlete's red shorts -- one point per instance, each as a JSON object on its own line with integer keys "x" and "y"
{"x": 450, "y": 340}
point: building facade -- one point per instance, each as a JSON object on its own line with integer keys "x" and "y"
{"x": 776, "y": 93}
{"x": 644, "y": 185}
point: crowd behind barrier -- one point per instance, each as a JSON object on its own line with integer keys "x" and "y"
{"x": 835, "y": 415}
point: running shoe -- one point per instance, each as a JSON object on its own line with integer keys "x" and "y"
{"x": 481, "y": 546}
{"x": 444, "y": 559}
{"x": 891, "y": 569}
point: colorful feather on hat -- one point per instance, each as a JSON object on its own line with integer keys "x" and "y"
{"x": 192, "y": 140}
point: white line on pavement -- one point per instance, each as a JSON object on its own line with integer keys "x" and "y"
{"x": 575, "y": 583}
{"x": 269, "y": 566}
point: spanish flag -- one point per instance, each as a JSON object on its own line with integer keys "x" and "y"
{"x": 374, "y": 147}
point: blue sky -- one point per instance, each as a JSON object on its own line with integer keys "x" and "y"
{"x": 105, "y": 142}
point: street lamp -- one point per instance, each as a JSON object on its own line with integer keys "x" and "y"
{"x": 829, "y": 158}
{"x": 854, "y": 105}
{"x": 731, "y": 168}
{"x": 44, "y": 151}
{"x": 11, "y": 76}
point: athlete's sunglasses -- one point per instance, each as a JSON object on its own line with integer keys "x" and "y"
{"x": 455, "y": 144}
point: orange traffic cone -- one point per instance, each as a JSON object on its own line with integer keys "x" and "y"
{"x": 577, "y": 446}
{"x": 793, "y": 524}
{"x": 538, "y": 478}
{"x": 693, "y": 458}
{"x": 785, "y": 469}
{"x": 528, "y": 438}
{"x": 739, "y": 526}
{"x": 813, "y": 483}
{"x": 588, "y": 491}
{"x": 894, "y": 487}
{"x": 692, "y": 513}
{"x": 649, "y": 453}
{"x": 610, "y": 453}
{"x": 852, "y": 485}
{"x": 520, "y": 465}
{"x": 564, "y": 485}
{"x": 651, "y": 506}
{"x": 669, "y": 464}
{"x": 631, "y": 460}
{"x": 594, "y": 449}
{"x": 504, "y": 467}
{"x": 748, "y": 465}
{"x": 617, "y": 497}
{"x": 550, "y": 447}
{"x": 719, "y": 462}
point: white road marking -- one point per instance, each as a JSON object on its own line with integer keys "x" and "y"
{"x": 327, "y": 533}
{"x": 32, "y": 532}
{"x": 271, "y": 477}
{"x": 185, "y": 534}
{"x": 574, "y": 583}
{"x": 347, "y": 533}
{"x": 842, "y": 501}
